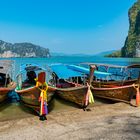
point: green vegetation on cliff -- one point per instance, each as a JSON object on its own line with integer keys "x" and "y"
{"x": 132, "y": 44}
{"x": 114, "y": 54}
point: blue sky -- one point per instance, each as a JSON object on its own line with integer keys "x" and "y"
{"x": 66, "y": 26}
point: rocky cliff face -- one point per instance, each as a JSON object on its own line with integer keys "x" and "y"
{"x": 132, "y": 43}
{"x": 22, "y": 50}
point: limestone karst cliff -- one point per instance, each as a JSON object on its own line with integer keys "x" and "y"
{"x": 132, "y": 43}
{"x": 22, "y": 50}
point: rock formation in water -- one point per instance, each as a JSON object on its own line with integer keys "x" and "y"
{"x": 132, "y": 44}
{"x": 22, "y": 50}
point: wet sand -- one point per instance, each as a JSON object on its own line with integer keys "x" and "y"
{"x": 104, "y": 122}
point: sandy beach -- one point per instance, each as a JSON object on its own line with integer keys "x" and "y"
{"x": 106, "y": 122}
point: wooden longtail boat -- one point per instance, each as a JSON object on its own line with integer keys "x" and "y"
{"x": 113, "y": 90}
{"x": 120, "y": 93}
{"x": 30, "y": 96}
{"x": 66, "y": 89}
{"x": 107, "y": 79}
{"x": 6, "y": 75}
{"x": 127, "y": 76}
{"x": 73, "y": 93}
{"x": 27, "y": 89}
{"x": 112, "y": 83}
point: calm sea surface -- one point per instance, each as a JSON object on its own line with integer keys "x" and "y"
{"x": 73, "y": 60}
{"x": 14, "y": 110}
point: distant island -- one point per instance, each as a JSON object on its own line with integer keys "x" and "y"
{"x": 114, "y": 54}
{"x": 53, "y": 54}
{"x": 101, "y": 54}
{"x": 131, "y": 46}
{"x": 8, "y": 50}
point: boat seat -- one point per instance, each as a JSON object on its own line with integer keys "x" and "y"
{"x": 65, "y": 85}
{"x": 58, "y": 85}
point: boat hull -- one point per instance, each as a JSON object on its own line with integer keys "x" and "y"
{"x": 5, "y": 90}
{"x": 113, "y": 83}
{"x": 30, "y": 97}
{"x": 120, "y": 93}
{"x": 3, "y": 95}
{"x": 76, "y": 95}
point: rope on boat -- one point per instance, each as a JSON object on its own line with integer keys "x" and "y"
{"x": 43, "y": 97}
{"x": 89, "y": 96}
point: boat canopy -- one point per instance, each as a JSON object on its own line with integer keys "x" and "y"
{"x": 6, "y": 66}
{"x": 62, "y": 71}
{"x": 30, "y": 67}
{"x": 113, "y": 66}
{"x": 67, "y": 71}
{"x": 86, "y": 71}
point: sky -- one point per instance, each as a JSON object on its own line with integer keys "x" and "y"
{"x": 66, "y": 26}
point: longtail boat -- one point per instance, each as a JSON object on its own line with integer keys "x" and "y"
{"x": 6, "y": 78}
{"x": 122, "y": 75}
{"x": 123, "y": 93}
{"x": 110, "y": 79}
{"x": 32, "y": 87}
{"x": 114, "y": 90}
{"x": 118, "y": 93}
{"x": 69, "y": 90}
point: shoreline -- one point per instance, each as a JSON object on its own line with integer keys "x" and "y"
{"x": 111, "y": 121}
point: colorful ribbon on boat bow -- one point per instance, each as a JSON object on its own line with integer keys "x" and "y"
{"x": 43, "y": 97}
{"x": 89, "y": 96}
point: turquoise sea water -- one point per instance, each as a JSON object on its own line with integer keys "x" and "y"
{"x": 74, "y": 60}
{"x": 14, "y": 109}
